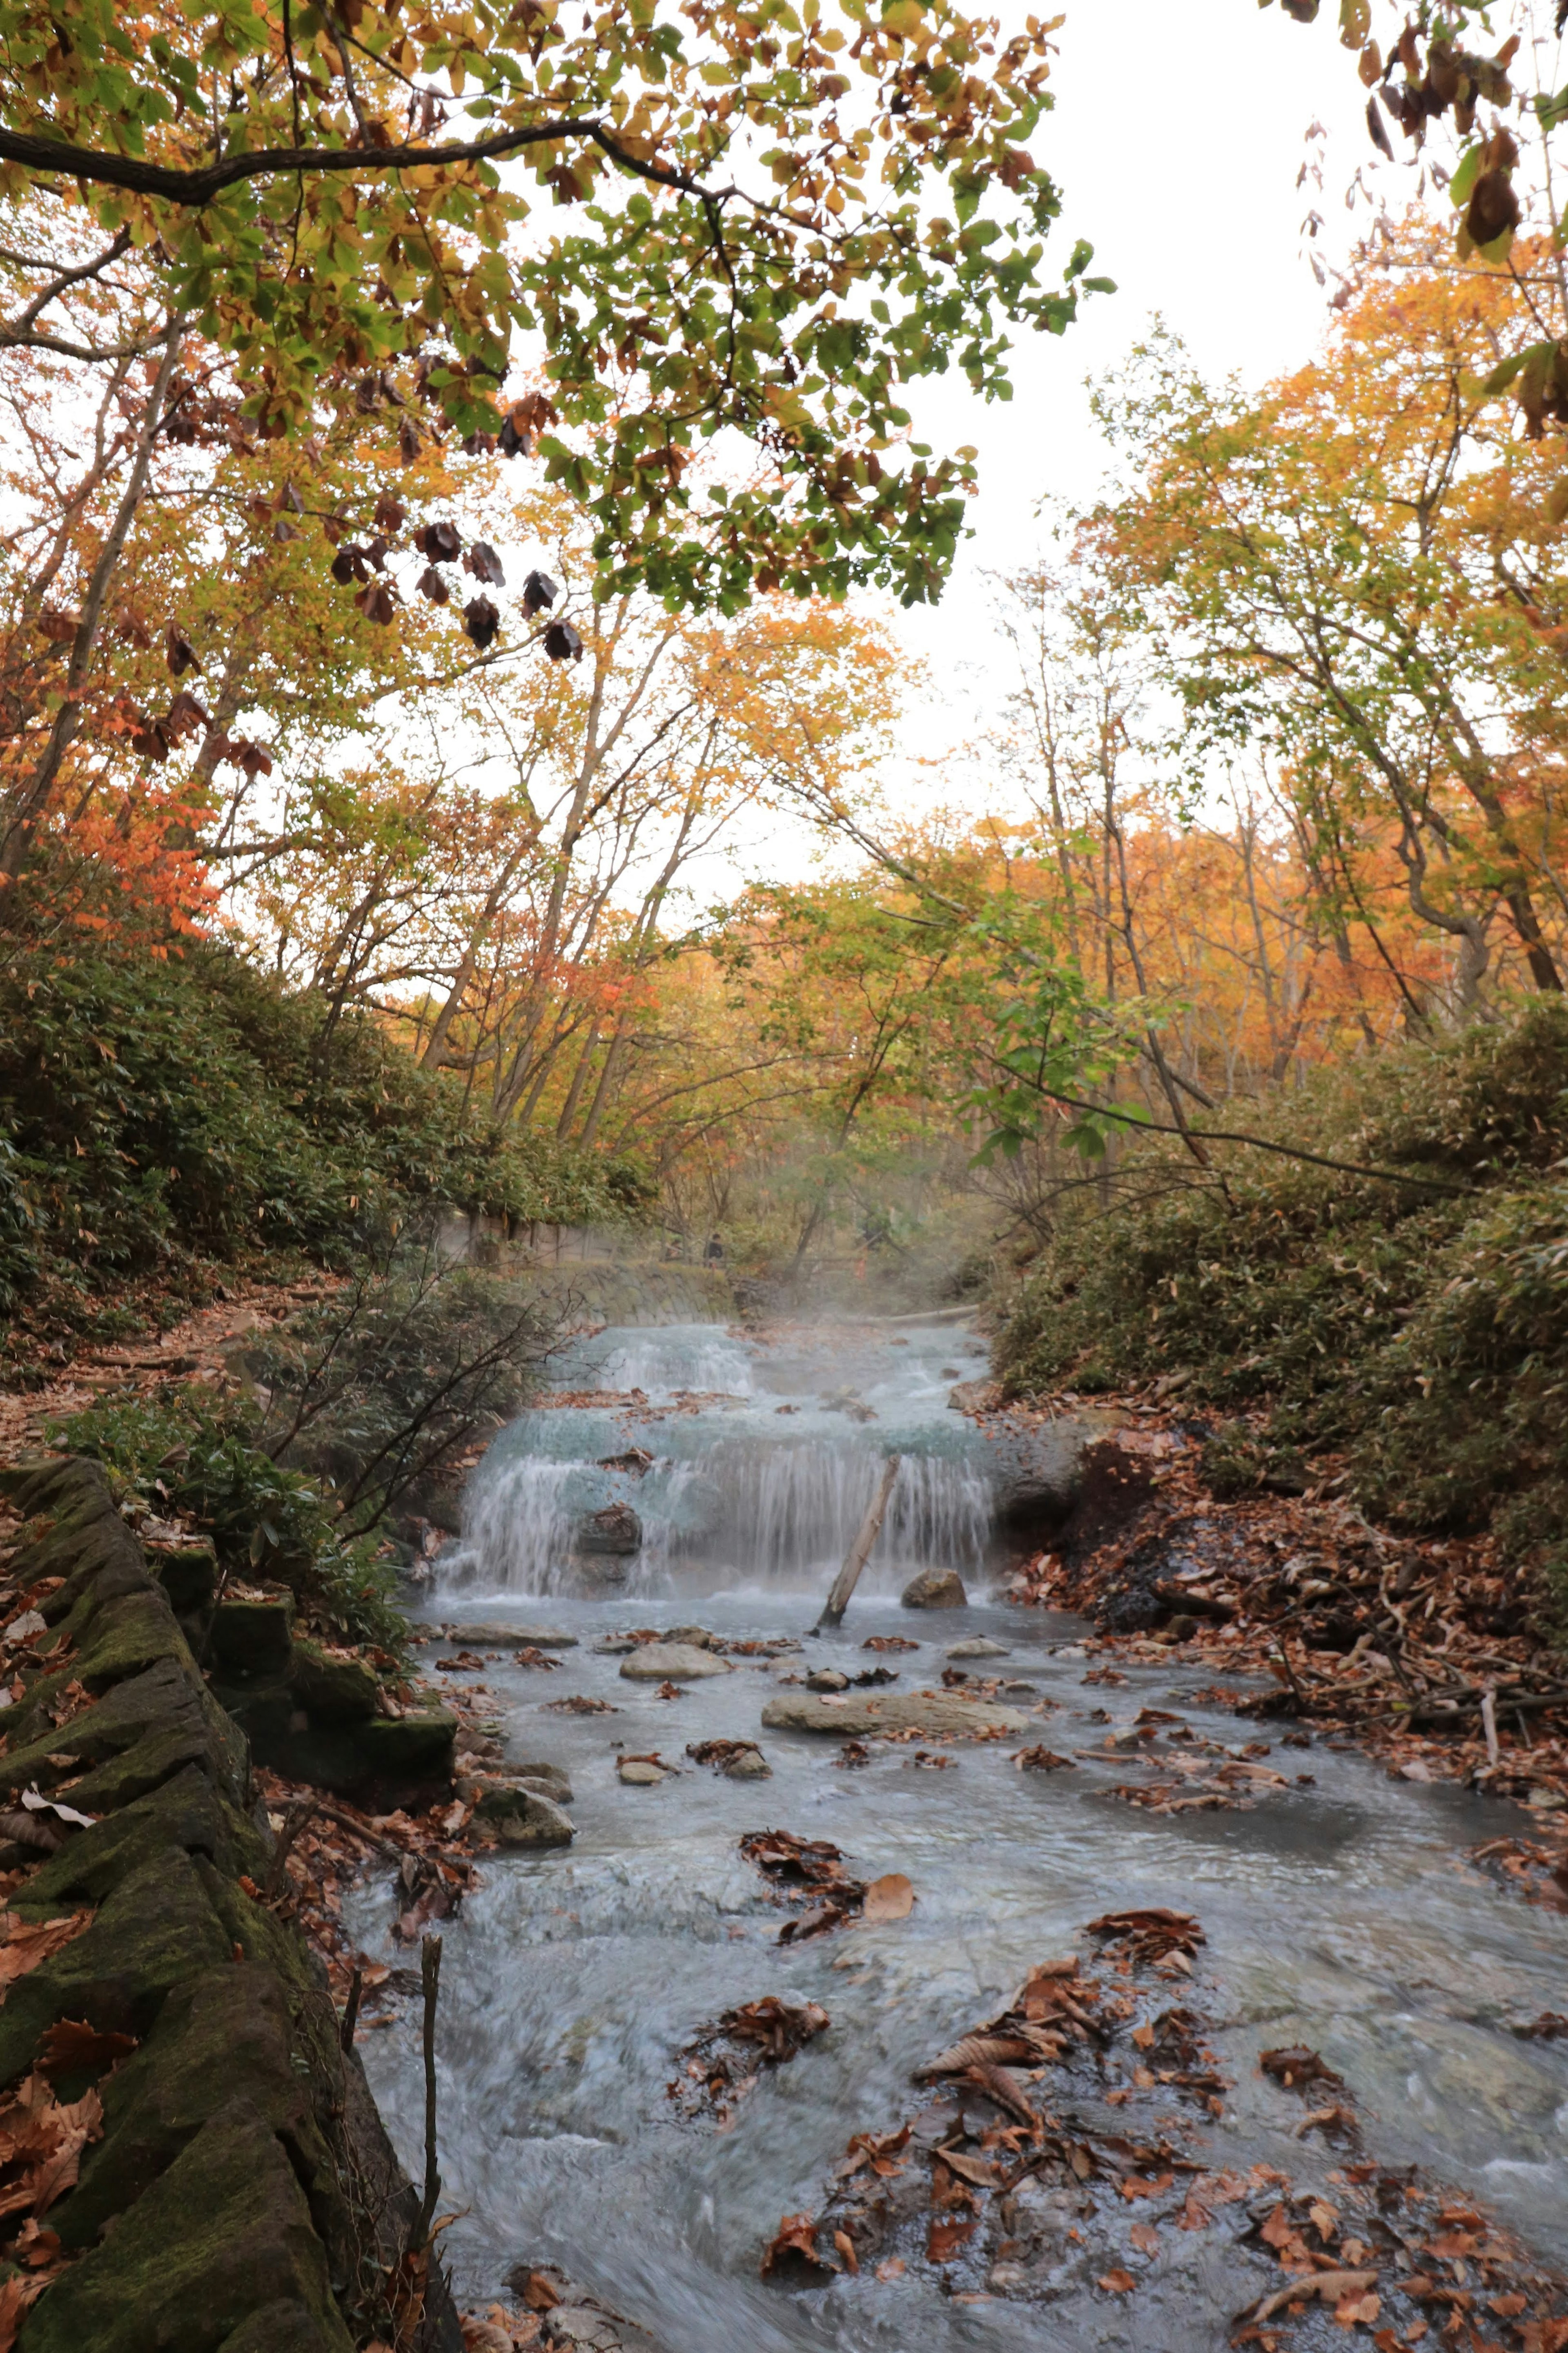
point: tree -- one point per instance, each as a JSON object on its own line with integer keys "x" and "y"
{"x": 774, "y": 220}
{"x": 1353, "y": 572}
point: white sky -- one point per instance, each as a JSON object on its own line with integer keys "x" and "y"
{"x": 1176, "y": 139}
{"x": 1177, "y": 135}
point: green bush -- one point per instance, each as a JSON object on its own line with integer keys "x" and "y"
{"x": 188, "y": 1454}
{"x": 160, "y": 1111}
{"x": 1424, "y": 1334}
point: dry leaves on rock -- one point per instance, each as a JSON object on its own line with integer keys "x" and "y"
{"x": 812, "y": 1867}
{"x": 1150, "y": 1934}
{"x": 722, "y": 1754}
{"x": 41, "y": 2144}
{"x": 791, "y": 2254}
{"x": 72, "y": 2047}
{"x": 500, "y": 2331}
{"x": 853, "y": 1752}
{"x": 1041, "y": 1759}
{"x": 578, "y": 1705}
{"x": 888, "y": 1643}
{"x": 24, "y": 1943}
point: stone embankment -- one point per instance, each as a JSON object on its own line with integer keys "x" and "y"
{"x": 232, "y": 2189}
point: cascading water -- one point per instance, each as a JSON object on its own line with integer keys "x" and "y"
{"x": 764, "y": 1461}
{"x": 1342, "y": 1914}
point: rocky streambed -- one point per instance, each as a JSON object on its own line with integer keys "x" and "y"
{"x": 871, "y": 2007}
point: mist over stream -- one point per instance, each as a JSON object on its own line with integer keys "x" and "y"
{"x": 1340, "y": 1913}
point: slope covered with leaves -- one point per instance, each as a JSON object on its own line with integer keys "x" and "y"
{"x": 1418, "y": 1334}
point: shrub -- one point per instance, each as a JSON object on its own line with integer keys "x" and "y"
{"x": 1425, "y": 1334}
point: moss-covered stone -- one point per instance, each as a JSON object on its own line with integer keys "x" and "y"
{"x": 186, "y": 1811}
{"x": 218, "y": 2238}
{"x": 187, "y": 1573}
{"x": 408, "y": 1751}
{"x": 139, "y": 1733}
{"x": 252, "y": 1637}
{"x": 222, "y": 2036}
{"x": 284, "y": 2326}
{"x": 156, "y": 1929}
{"x": 332, "y": 1690}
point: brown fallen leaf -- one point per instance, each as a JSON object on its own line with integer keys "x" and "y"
{"x": 16, "y": 2295}
{"x": 1116, "y": 2282}
{"x": 791, "y": 2254}
{"x": 947, "y": 2234}
{"x": 72, "y": 2047}
{"x": 26, "y": 1944}
{"x": 846, "y": 2246}
{"x": 1145, "y": 2238}
{"x": 1332, "y": 2286}
{"x": 892, "y": 1897}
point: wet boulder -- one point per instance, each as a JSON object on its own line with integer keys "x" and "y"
{"x": 614, "y": 1533}
{"x": 678, "y": 1663}
{"x": 935, "y": 1588}
{"x": 856, "y": 1715}
{"x": 509, "y": 1815}
{"x": 979, "y": 1646}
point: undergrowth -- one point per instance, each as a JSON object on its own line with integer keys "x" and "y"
{"x": 189, "y": 1454}
{"x": 161, "y": 1113}
{"x": 1424, "y": 1334}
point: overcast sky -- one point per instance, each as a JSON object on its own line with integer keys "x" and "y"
{"x": 1176, "y": 139}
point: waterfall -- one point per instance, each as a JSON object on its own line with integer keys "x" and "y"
{"x": 746, "y": 1464}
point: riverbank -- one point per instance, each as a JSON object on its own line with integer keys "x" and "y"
{"x": 191, "y": 2153}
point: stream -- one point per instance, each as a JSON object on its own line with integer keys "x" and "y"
{"x": 1340, "y": 1914}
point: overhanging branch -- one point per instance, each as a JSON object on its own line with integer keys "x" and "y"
{"x": 200, "y": 186}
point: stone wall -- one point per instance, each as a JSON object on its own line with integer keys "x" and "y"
{"x": 242, "y": 2196}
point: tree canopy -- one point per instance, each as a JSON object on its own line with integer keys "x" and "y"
{"x": 731, "y": 221}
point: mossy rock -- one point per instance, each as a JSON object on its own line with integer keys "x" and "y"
{"x": 221, "y": 2237}
{"x": 332, "y": 1690}
{"x": 128, "y": 1635}
{"x": 252, "y": 1637}
{"x": 408, "y": 1751}
{"x": 139, "y": 1734}
{"x": 224, "y": 2035}
{"x": 155, "y": 1929}
{"x": 523, "y": 1818}
{"x": 188, "y": 1574}
{"x": 284, "y": 2326}
{"x": 186, "y": 1811}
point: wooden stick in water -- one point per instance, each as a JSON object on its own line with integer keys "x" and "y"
{"x": 859, "y": 1552}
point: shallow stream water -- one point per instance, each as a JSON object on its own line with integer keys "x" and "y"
{"x": 1342, "y": 1914}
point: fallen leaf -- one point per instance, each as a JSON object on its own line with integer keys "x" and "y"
{"x": 891, "y": 1897}
{"x": 1333, "y": 2287}
{"x": 791, "y": 2254}
{"x": 72, "y": 2047}
{"x": 947, "y": 2235}
{"x": 891, "y": 2267}
{"x": 1116, "y": 2282}
{"x": 846, "y": 2246}
{"x": 1145, "y": 2238}
{"x": 26, "y": 1944}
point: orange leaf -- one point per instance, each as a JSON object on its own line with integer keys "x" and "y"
{"x": 1145, "y": 2238}
{"x": 888, "y": 1898}
{"x": 1116, "y": 2282}
{"x": 945, "y": 2238}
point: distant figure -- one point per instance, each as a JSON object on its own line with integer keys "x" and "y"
{"x": 713, "y": 1255}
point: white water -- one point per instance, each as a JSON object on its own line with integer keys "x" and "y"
{"x": 1342, "y": 1914}
{"x": 762, "y": 1487}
